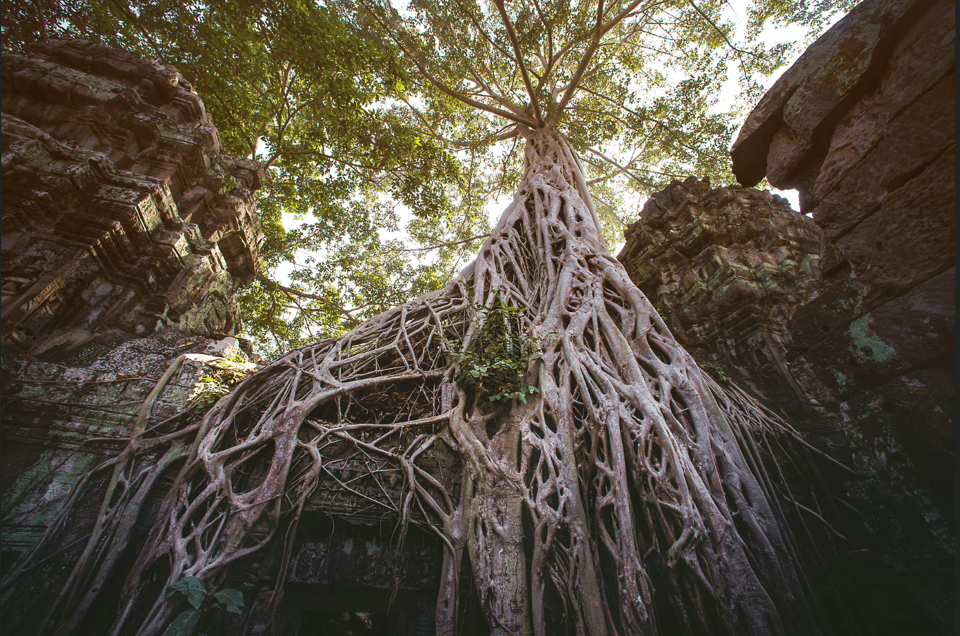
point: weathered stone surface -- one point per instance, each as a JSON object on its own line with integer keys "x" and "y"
{"x": 360, "y": 556}
{"x": 904, "y": 244}
{"x": 725, "y": 267}
{"x": 841, "y": 199}
{"x": 877, "y": 173}
{"x": 864, "y": 126}
{"x": 893, "y": 366}
{"x": 796, "y": 115}
{"x": 59, "y": 421}
{"x": 913, "y": 331}
{"x": 120, "y": 210}
{"x": 737, "y": 277}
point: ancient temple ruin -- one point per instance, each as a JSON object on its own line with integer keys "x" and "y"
{"x": 127, "y": 232}
{"x": 726, "y": 267}
{"x": 121, "y": 213}
{"x": 736, "y": 272}
{"x": 863, "y": 125}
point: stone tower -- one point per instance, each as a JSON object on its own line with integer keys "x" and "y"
{"x": 120, "y": 212}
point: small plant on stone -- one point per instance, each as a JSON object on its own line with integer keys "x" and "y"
{"x": 227, "y": 599}
{"x": 717, "y": 372}
{"x": 226, "y": 373}
{"x": 498, "y": 356}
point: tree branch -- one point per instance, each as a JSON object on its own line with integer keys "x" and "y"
{"x": 722, "y": 34}
{"x": 447, "y": 244}
{"x": 250, "y": 143}
{"x": 492, "y": 94}
{"x": 506, "y": 132}
{"x": 599, "y": 32}
{"x": 622, "y": 169}
{"x": 519, "y": 58}
{"x": 275, "y": 286}
{"x": 436, "y": 82}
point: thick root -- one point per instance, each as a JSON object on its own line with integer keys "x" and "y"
{"x": 628, "y": 486}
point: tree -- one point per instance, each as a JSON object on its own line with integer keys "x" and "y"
{"x": 289, "y": 83}
{"x": 607, "y": 485}
{"x": 324, "y": 100}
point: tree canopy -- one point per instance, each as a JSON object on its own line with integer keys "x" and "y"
{"x": 372, "y": 116}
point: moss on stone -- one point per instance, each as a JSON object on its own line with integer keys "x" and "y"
{"x": 867, "y": 346}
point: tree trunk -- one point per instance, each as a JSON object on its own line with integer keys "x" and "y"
{"x": 628, "y": 486}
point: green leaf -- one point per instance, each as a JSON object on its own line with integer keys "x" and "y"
{"x": 231, "y": 599}
{"x": 183, "y": 624}
{"x": 193, "y": 587}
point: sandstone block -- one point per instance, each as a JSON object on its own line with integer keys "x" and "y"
{"x": 911, "y": 141}
{"x": 914, "y": 224}
{"x": 804, "y": 100}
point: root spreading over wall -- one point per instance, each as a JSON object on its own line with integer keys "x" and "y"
{"x": 628, "y": 492}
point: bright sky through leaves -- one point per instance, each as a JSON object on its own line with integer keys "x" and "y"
{"x": 736, "y": 9}
{"x": 372, "y": 165}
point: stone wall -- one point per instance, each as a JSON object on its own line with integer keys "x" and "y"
{"x": 863, "y": 125}
{"x": 59, "y": 422}
{"x": 732, "y": 271}
{"x": 120, "y": 210}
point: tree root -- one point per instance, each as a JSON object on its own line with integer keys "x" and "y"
{"x": 629, "y": 478}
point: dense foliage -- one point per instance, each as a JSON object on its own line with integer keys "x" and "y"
{"x": 364, "y": 150}
{"x": 498, "y": 357}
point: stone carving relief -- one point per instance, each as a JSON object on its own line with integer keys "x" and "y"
{"x": 119, "y": 209}
{"x": 725, "y": 267}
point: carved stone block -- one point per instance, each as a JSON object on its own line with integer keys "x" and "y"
{"x": 120, "y": 210}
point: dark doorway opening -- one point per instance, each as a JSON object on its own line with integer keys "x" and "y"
{"x": 343, "y": 624}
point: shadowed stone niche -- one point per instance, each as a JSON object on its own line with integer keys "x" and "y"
{"x": 120, "y": 210}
